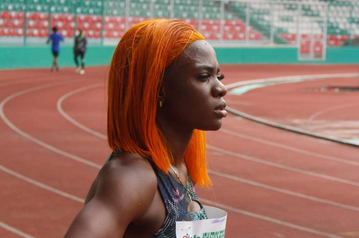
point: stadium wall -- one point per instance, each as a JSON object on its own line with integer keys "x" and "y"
{"x": 40, "y": 56}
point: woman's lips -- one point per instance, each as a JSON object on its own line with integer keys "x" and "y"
{"x": 221, "y": 112}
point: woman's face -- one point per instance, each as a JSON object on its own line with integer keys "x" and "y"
{"x": 193, "y": 91}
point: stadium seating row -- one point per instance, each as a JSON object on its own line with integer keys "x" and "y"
{"x": 90, "y": 18}
{"x": 114, "y": 26}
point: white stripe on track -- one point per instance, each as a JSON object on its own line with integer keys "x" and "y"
{"x": 312, "y": 117}
{"x": 33, "y": 139}
{"x": 288, "y": 79}
{"x": 285, "y": 79}
{"x": 327, "y": 157}
{"x": 15, "y": 231}
{"x": 257, "y": 160}
{"x": 285, "y": 191}
{"x": 290, "y": 128}
{"x": 41, "y": 185}
{"x": 270, "y": 219}
{"x": 73, "y": 121}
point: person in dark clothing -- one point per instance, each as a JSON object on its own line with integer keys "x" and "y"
{"x": 80, "y": 50}
{"x": 55, "y": 39}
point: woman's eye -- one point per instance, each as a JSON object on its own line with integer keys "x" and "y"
{"x": 220, "y": 77}
{"x": 204, "y": 77}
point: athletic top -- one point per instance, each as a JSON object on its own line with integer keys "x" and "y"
{"x": 55, "y": 39}
{"x": 80, "y": 43}
{"x": 176, "y": 201}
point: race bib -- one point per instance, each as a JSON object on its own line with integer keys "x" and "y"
{"x": 213, "y": 227}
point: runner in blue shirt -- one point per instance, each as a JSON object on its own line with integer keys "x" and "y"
{"x": 55, "y": 38}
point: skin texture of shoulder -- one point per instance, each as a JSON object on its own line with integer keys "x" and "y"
{"x": 123, "y": 196}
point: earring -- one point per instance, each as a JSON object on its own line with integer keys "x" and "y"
{"x": 160, "y": 103}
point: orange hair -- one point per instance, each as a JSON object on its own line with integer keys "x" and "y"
{"x": 135, "y": 78}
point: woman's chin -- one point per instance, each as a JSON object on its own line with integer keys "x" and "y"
{"x": 214, "y": 127}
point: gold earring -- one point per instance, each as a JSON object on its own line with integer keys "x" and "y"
{"x": 160, "y": 103}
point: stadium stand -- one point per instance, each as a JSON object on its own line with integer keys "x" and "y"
{"x": 266, "y": 21}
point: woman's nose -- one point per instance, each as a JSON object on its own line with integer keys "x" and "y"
{"x": 219, "y": 90}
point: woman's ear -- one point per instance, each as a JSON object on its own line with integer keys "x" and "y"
{"x": 161, "y": 96}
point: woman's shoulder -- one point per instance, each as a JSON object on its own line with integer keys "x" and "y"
{"x": 123, "y": 171}
{"x": 122, "y": 193}
{"x": 129, "y": 167}
{"x": 126, "y": 181}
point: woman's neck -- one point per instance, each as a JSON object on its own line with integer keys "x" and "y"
{"x": 178, "y": 140}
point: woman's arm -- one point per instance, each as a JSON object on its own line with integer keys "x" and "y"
{"x": 125, "y": 190}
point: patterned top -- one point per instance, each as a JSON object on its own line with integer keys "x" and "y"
{"x": 176, "y": 201}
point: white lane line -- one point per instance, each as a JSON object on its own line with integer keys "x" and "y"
{"x": 327, "y": 157}
{"x": 41, "y": 185}
{"x": 270, "y": 219}
{"x": 15, "y": 231}
{"x": 276, "y": 165}
{"x": 285, "y": 191}
{"x": 312, "y": 117}
{"x": 73, "y": 121}
{"x": 285, "y": 79}
{"x": 290, "y": 128}
{"x": 31, "y": 138}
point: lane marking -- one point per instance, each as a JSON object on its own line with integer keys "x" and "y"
{"x": 327, "y": 157}
{"x": 31, "y": 138}
{"x": 280, "y": 166}
{"x": 288, "y": 79}
{"x": 246, "y": 88}
{"x": 73, "y": 121}
{"x": 290, "y": 128}
{"x": 15, "y": 231}
{"x": 321, "y": 112}
{"x": 41, "y": 185}
{"x": 285, "y": 191}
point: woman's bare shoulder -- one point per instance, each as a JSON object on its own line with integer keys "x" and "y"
{"x": 129, "y": 170}
{"x": 123, "y": 192}
{"x": 124, "y": 171}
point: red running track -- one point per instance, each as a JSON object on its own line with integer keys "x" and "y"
{"x": 273, "y": 183}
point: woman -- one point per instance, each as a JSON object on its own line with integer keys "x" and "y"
{"x": 164, "y": 90}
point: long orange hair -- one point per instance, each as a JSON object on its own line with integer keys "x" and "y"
{"x": 135, "y": 77}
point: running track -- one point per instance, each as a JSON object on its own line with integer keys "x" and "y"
{"x": 273, "y": 183}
